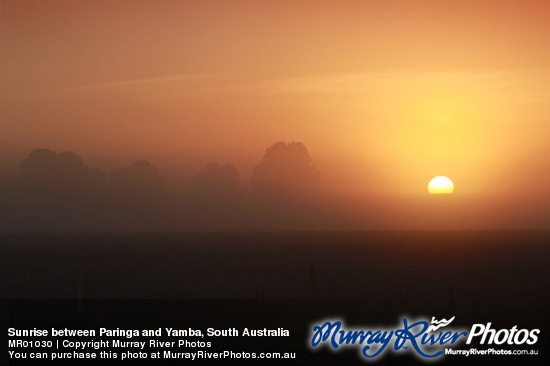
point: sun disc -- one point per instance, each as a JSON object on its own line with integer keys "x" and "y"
{"x": 441, "y": 185}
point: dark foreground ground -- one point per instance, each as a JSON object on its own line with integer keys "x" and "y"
{"x": 275, "y": 280}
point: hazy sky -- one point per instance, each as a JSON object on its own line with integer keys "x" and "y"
{"x": 385, "y": 94}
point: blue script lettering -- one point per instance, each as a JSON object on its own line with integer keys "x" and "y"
{"x": 405, "y": 334}
{"x": 414, "y": 334}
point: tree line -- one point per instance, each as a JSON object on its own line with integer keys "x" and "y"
{"x": 59, "y": 192}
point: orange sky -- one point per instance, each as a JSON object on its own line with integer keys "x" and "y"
{"x": 385, "y": 94}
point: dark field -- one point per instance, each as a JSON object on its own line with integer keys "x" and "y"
{"x": 291, "y": 279}
{"x": 511, "y": 268}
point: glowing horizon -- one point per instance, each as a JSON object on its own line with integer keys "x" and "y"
{"x": 380, "y": 92}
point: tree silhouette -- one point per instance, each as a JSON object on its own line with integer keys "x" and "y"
{"x": 215, "y": 198}
{"x": 285, "y": 170}
{"x": 57, "y": 192}
{"x": 215, "y": 180}
{"x": 141, "y": 179}
{"x": 65, "y": 173}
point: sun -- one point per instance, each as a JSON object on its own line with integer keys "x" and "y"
{"x": 441, "y": 185}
